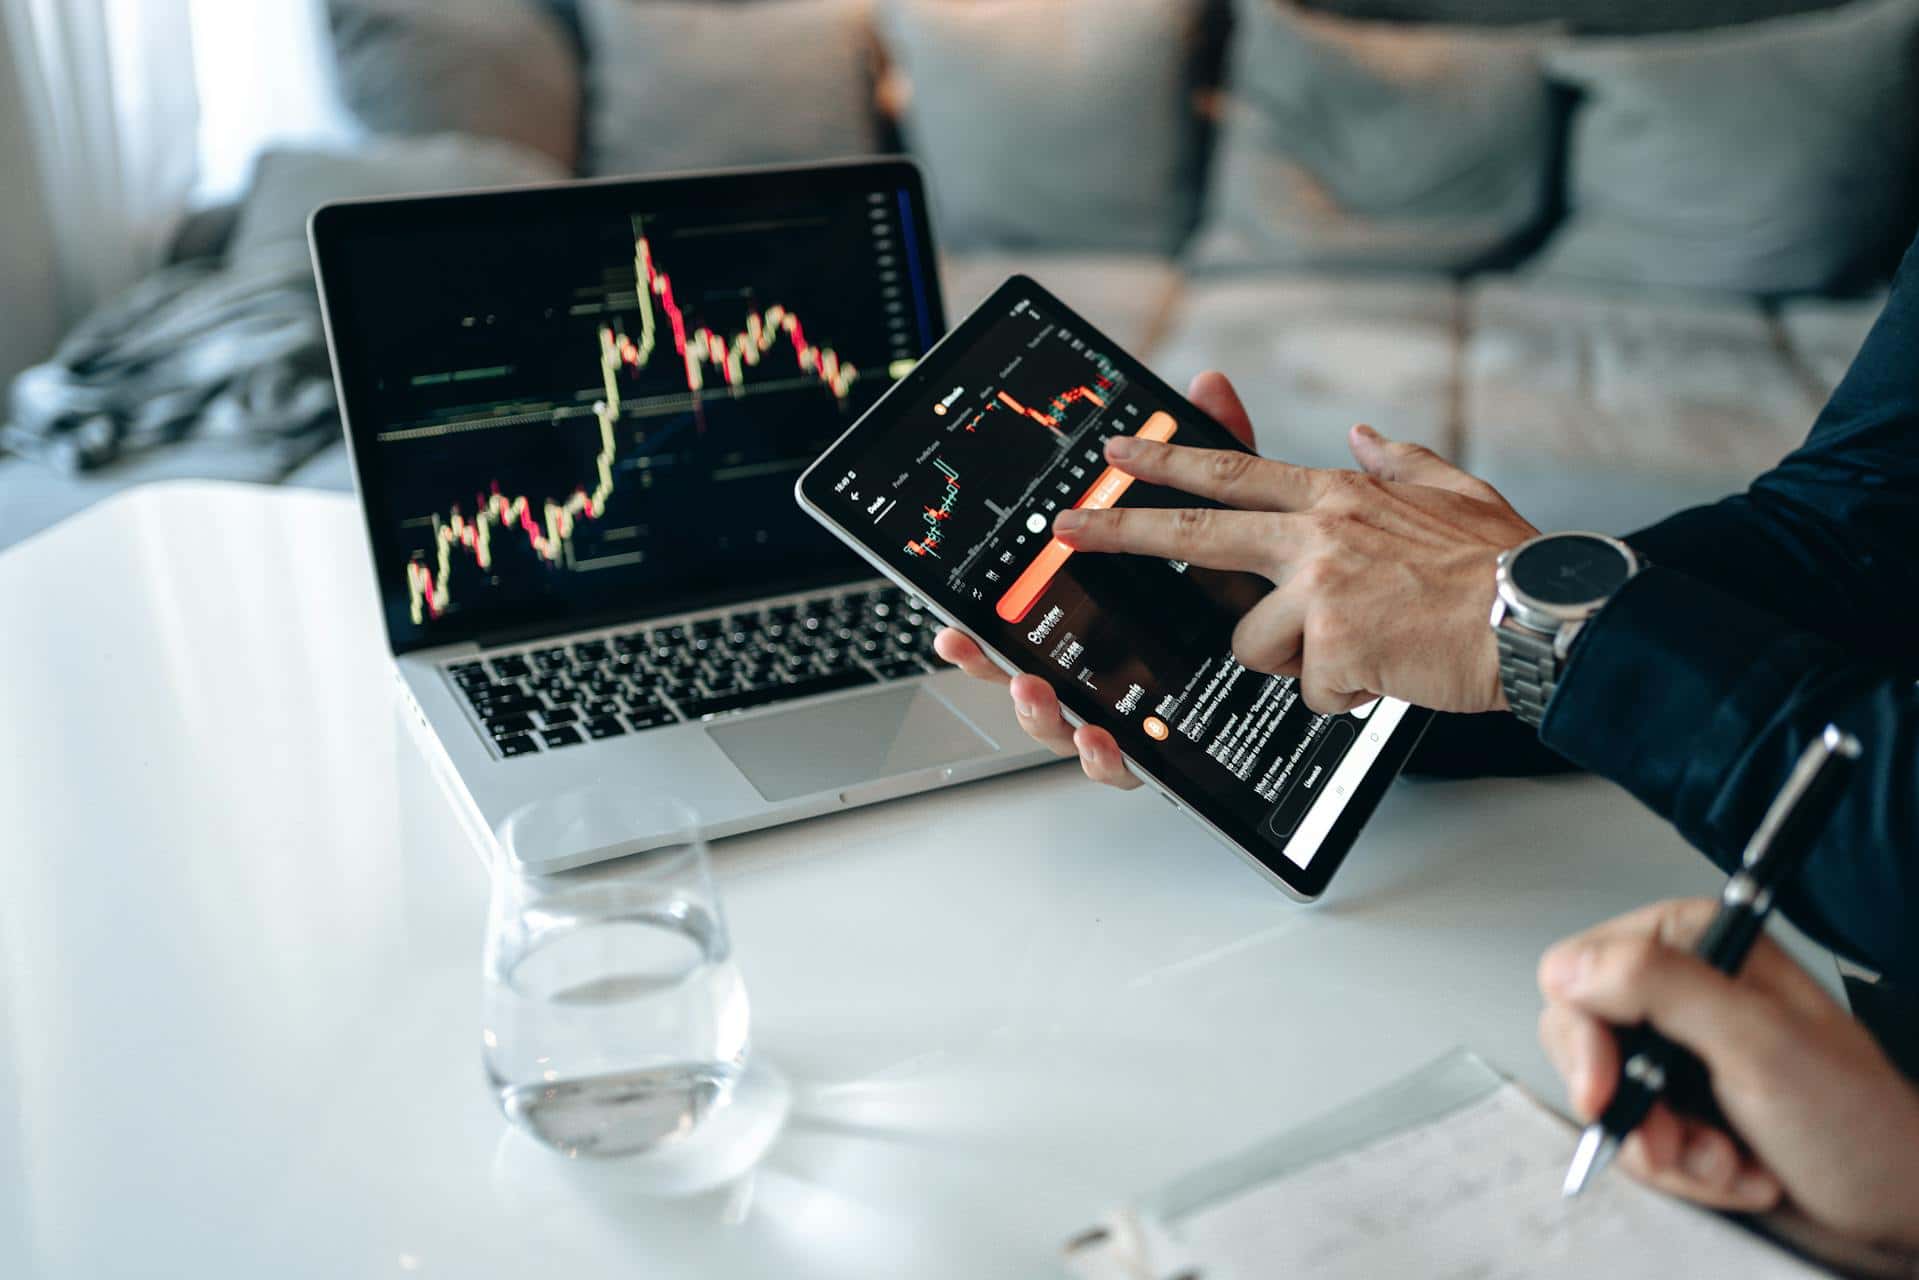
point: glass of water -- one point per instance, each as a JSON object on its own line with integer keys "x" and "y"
{"x": 615, "y": 1019}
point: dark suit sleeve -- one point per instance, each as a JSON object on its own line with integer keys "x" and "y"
{"x": 1824, "y": 541}
{"x": 1827, "y": 539}
{"x": 1699, "y": 704}
{"x": 1765, "y": 617}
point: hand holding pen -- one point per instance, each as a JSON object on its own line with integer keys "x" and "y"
{"x": 1814, "y": 1114}
{"x": 1651, "y": 1066}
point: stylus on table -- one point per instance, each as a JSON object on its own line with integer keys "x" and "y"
{"x": 1651, "y": 1066}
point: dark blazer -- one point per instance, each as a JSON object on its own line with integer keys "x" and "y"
{"x": 1764, "y": 617}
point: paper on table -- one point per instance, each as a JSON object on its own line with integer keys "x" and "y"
{"x": 1474, "y": 1193}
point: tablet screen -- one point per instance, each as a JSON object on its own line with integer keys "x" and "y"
{"x": 952, "y": 481}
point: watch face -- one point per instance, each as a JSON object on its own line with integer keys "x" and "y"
{"x": 1572, "y": 569}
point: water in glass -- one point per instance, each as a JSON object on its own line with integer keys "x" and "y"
{"x": 615, "y": 1018}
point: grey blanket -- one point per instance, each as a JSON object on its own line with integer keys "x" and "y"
{"x": 230, "y": 355}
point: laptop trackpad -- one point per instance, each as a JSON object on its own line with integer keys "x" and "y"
{"x": 839, "y": 744}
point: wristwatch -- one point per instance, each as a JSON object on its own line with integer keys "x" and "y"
{"x": 1548, "y": 587}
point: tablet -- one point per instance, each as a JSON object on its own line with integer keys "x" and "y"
{"x": 949, "y": 485}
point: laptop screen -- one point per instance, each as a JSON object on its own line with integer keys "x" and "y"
{"x": 571, "y": 405}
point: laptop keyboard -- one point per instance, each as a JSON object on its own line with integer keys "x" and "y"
{"x": 559, "y": 694}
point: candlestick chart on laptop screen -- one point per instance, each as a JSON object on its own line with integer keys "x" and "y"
{"x": 600, "y": 400}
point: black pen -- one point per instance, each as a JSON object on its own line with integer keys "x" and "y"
{"x": 1651, "y": 1066}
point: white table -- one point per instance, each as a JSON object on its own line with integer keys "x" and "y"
{"x": 240, "y": 930}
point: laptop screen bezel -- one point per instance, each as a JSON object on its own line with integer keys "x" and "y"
{"x": 335, "y": 230}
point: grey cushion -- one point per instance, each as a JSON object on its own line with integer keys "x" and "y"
{"x": 1594, "y": 17}
{"x": 1126, "y": 295}
{"x": 1312, "y": 355}
{"x": 1771, "y": 158}
{"x": 690, "y": 86}
{"x": 290, "y": 183}
{"x": 1609, "y": 408}
{"x": 499, "y": 68}
{"x": 1825, "y": 334}
{"x": 1364, "y": 145}
{"x": 328, "y": 469}
{"x": 1051, "y": 123}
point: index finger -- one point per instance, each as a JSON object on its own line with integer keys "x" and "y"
{"x": 1629, "y": 979}
{"x": 1232, "y": 476}
{"x": 1678, "y": 923}
{"x": 1205, "y": 536}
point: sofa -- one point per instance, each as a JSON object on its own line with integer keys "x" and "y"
{"x": 1457, "y": 220}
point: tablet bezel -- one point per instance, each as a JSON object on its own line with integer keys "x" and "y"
{"x": 816, "y": 482}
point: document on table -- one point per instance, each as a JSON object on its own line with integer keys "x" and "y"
{"x": 1452, "y": 1172}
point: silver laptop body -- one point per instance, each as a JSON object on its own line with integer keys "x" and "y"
{"x": 754, "y": 695}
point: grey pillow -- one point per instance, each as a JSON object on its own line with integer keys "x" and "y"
{"x": 1051, "y": 123}
{"x": 499, "y": 68}
{"x": 691, "y": 86}
{"x": 290, "y": 183}
{"x": 1772, "y": 158}
{"x": 1362, "y": 146}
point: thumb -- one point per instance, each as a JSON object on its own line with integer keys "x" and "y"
{"x": 1410, "y": 463}
{"x": 1212, "y": 392}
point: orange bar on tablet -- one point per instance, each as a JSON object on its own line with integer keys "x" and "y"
{"x": 1032, "y": 583}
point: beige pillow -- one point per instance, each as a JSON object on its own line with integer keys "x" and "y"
{"x": 1051, "y": 123}
{"x": 681, "y": 85}
{"x": 502, "y": 69}
{"x": 1357, "y": 145}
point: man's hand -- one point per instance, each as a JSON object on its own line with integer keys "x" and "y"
{"x": 1821, "y": 1118}
{"x": 1039, "y": 714}
{"x": 1384, "y": 577}
{"x": 1033, "y": 699}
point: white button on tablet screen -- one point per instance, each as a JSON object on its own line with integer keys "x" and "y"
{"x": 1320, "y": 818}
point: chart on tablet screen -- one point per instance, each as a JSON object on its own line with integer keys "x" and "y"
{"x": 966, "y": 481}
{"x": 1005, "y": 451}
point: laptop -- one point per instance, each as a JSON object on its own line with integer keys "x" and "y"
{"x": 575, "y": 415}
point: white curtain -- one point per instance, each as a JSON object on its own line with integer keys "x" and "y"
{"x": 139, "y": 108}
{"x": 112, "y": 106}
{"x": 266, "y": 78}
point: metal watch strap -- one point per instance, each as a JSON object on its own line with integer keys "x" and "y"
{"x": 1528, "y": 671}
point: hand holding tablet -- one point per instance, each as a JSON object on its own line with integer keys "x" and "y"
{"x": 951, "y": 483}
{"x": 1033, "y": 700}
